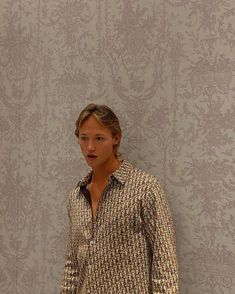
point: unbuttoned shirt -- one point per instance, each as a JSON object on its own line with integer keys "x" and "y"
{"x": 129, "y": 247}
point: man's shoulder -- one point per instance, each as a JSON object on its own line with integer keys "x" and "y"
{"x": 72, "y": 194}
{"x": 142, "y": 176}
{"x": 147, "y": 184}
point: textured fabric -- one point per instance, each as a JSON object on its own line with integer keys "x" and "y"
{"x": 129, "y": 246}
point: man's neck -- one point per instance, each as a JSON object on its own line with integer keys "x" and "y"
{"x": 102, "y": 173}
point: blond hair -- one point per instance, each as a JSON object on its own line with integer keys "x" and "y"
{"x": 105, "y": 116}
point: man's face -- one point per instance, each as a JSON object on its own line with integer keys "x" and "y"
{"x": 96, "y": 142}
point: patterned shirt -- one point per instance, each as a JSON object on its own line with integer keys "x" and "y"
{"x": 129, "y": 246}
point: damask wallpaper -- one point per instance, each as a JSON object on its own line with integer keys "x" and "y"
{"x": 166, "y": 67}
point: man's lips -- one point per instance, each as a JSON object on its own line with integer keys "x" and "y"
{"x": 91, "y": 156}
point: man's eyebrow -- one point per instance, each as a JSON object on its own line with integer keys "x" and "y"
{"x": 94, "y": 135}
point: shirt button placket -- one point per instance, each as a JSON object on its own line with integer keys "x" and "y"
{"x": 92, "y": 243}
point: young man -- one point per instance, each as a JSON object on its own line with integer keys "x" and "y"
{"x": 122, "y": 238}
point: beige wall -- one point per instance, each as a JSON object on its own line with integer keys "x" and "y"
{"x": 166, "y": 67}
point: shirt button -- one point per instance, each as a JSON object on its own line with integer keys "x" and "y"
{"x": 86, "y": 233}
{"x": 92, "y": 242}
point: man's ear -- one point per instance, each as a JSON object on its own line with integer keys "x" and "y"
{"x": 117, "y": 138}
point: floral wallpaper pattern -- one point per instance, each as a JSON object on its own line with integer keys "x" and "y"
{"x": 167, "y": 69}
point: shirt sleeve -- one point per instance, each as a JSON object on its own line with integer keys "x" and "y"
{"x": 70, "y": 278}
{"x": 160, "y": 233}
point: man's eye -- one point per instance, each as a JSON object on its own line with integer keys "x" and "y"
{"x": 83, "y": 138}
{"x": 100, "y": 138}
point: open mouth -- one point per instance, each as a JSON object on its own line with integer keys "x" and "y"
{"x": 91, "y": 156}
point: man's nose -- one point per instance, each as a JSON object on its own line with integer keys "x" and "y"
{"x": 91, "y": 145}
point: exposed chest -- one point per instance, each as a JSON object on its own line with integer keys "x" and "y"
{"x": 95, "y": 194}
{"x": 114, "y": 211}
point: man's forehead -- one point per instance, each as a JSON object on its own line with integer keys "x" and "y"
{"x": 95, "y": 131}
{"x": 93, "y": 126}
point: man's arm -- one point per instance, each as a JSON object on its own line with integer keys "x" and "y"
{"x": 69, "y": 281}
{"x": 160, "y": 233}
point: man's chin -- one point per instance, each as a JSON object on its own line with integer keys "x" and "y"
{"x": 92, "y": 162}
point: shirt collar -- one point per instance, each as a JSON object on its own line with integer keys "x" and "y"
{"x": 121, "y": 174}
